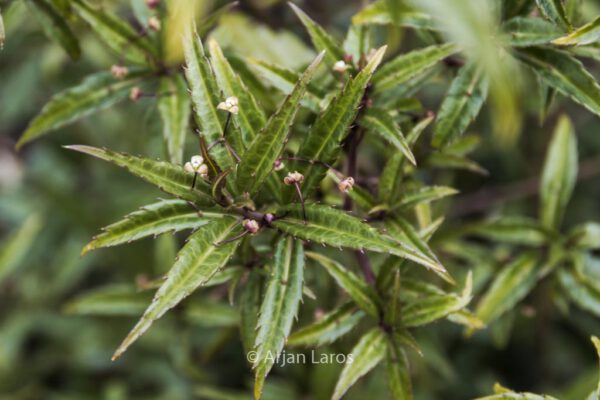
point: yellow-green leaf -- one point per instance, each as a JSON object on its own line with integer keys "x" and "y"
{"x": 559, "y": 174}
{"x": 196, "y": 263}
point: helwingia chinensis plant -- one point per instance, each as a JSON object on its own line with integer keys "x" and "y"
{"x": 264, "y": 169}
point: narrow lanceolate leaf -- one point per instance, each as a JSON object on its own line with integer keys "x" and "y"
{"x": 205, "y": 96}
{"x": 555, "y": 12}
{"x": 151, "y": 220}
{"x": 328, "y": 328}
{"x": 169, "y": 178}
{"x": 510, "y": 286}
{"x": 379, "y": 13}
{"x": 460, "y": 106}
{"x": 114, "y": 300}
{"x": 55, "y": 26}
{"x": 381, "y": 122}
{"x": 332, "y": 126}
{"x": 250, "y": 118}
{"x": 397, "y": 370}
{"x": 174, "y": 108}
{"x": 512, "y": 229}
{"x": 559, "y": 174}
{"x": 2, "y": 32}
{"x": 265, "y": 149}
{"x": 279, "y": 307}
{"x": 425, "y": 310}
{"x": 407, "y": 66}
{"x": 196, "y": 263}
{"x": 320, "y": 38}
{"x": 336, "y": 228}
{"x": 521, "y": 31}
{"x": 14, "y": 249}
{"x": 586, "y": 236}
{"x": 250, "y": 302}
{"x": 95, "y": 93}
{"x": 564, "y": 73}
{"x": 453, "y": 161}
{"x": 423, "y": 195}
{"x": 582, "y": 290}
{"x": 116, "y": 33}
{"x": 285, "y": 80}
{"x": 367, "y": 353}
{"x": 362, "y": 294}
{"x": 587, "y": 34}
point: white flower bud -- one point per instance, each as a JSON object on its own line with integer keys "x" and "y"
{"x": 346, "y": 184}
{"x": 135, "y": 93}
{"x": 187, "y": 167}
{"x": 251, "y": 226}
{"x": 278, "y": 165}
{"x": 203, "y": 171}
{"x": 293, "y": 178}
{"x": 197, "y": 161}
{"x": 230, "y": 105}
{"x": 340, "y": 66}
{"x": 119, "y": 71}
{"x": 154, "y": 24}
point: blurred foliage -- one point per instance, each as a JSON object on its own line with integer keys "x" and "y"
{"x": 496, "y": 100}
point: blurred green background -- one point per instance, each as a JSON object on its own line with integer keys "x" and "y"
{"x": 57, "y": 200}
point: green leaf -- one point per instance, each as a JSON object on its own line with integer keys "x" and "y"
{"x": 582, "y": 290}
{"x": 559, "y": 174}
{"x": 55, "y": 26}
{"x": 522, "y": 32}
{"x": 564, "y": 73}
{"x": 555, "y": 12}
{"x": 279, "y": 307}
{"x": 250, "y": 118}
{"x": 379, "y": 13}
{"x": 209, "y": 22}
{"x": 397, "y": 371}
{"x": 461, "y": 105}
{"x": 407, "y": 66}
{"x": 174, "y": 108}
{"x": 336, "y": 228}
{"x": 196, "y": 263}
{"x": 510, "y": 286}
{"x": 167, "y": 177}
{"x": 320, "y": 38}
{"x": 96, "y": 92}
{"x": 390, "y": 182}
{"x": 250, "y": 302}
{"x": 285, "y": 80}
{"x": 328, "y": 328}
{"x": 586, "y": 236}
{"x": 2, "y": 32}
{"x": 367, "y": 353}
{"x": 423, "y": 195}
{"x": 515, "y": 230}
{"x": 452, "y": 161}
{"x": 503, "y": 393}
{"x": 116, "y": 33}
{"x": 425, "y": 310}
{"x": 362, "y": 294}
{"x": 403, "y": 231}
{"x": 152, "y": 220}
{"x": 112, "y": 300}
{"x": 332, "y": 126}
{"x": 212, "y": 314}
{"x": 381, "y": 122}
{"x": 14, "y": 249}
{"x": 266, "y": 147}
{"x": 205, "y": 97}
{"x": 587, "y": 34}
